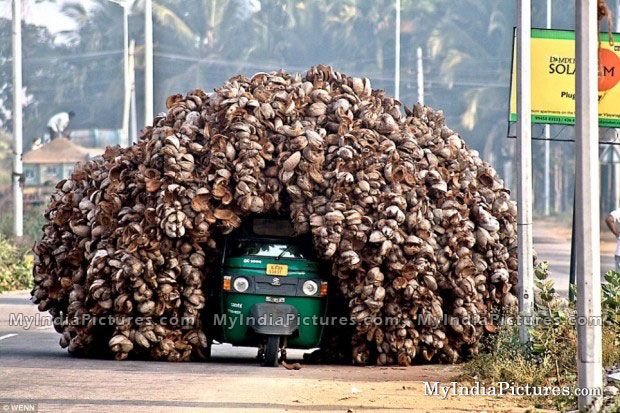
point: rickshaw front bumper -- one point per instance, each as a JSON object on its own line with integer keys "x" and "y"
{"x": 274, "y": 319}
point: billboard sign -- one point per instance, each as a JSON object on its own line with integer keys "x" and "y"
{"x": 553, "y": 79}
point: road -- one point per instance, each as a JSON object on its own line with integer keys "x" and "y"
{"x": 34, "y": 369}
{"x": 552, "y": 244}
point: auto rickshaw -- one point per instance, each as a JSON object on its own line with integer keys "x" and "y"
{"x": 273, "y": 290}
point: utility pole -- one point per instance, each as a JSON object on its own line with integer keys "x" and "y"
{"x": 547, "y": 171}
{"x": 397, "y": 53}
{"x": 420, "y": 69}
{"x": 132, "y": 81}
{"x": 126, "y": 77}
{"x": 524, "y": 166}
{"x": 18, "y": 170}
{"x": 148, "y": 62}
{"x": 615, "y": 151}
{"x": 589, "y": 335}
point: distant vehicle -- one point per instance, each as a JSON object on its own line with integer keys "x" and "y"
{"x": 273, "y": 290}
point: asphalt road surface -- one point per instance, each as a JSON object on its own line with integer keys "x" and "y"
{"x": 36, "y": 372}
{"x": 552, "y": 244}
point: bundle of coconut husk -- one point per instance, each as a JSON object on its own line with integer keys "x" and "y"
{"x": 417, "y": 229}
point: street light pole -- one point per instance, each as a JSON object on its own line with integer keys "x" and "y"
{"x": 148, "y": 62}
{"x": 132, "y": 78}
{"x": 589, "y": 335}
{"x": 126, "y": 78}
{"x": 18, "y": 196}
{"x": 524, "y": 166}
{"x": 547, "y": 172}
{"x": 397, "y": 53}
{"x": 420, "y": 70}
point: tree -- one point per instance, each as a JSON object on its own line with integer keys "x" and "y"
{"x": 467, "y": 49}
{"x": 43, "y": 82}
{"x": 96, "y": 93}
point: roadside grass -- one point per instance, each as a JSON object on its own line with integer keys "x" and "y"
{"x": 549, "y": 359}
{"x": 15, "y": 266}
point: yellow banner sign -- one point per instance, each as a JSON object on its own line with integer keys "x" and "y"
{"x": 553, "y": 79}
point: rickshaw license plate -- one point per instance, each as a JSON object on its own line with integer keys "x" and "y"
{"x": 277, "y": 269}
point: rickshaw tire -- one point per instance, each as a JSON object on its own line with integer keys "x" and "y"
{"x": 271, "y": 351}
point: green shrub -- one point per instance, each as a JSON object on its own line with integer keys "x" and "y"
{"x": 549, "y": 359}
{"x": 34, "y": 219}
{"x": 15, "y": 266}
{"x": 611, "y": 316}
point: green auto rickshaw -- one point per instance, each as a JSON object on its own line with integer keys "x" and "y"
{"x": 273, "y": 290}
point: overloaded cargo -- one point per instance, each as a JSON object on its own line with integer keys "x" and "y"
{"x": 415, "y": 227}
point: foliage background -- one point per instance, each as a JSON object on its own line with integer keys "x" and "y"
{"x": 200, "y": 43}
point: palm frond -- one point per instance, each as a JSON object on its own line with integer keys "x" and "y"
{"x": 75, "y": 11}
{"x": 168, "y": 18}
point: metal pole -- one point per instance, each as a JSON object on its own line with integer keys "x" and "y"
{"x": 18, "y": 196}
{"x": 547, "y": 182}
{"x": 132, "y": 77}
{"x": 587, "y": 248}
{"x": 397, "y": 53}
{"x": 571, "y": 271}
{"x": 126, "y": 79}
{"x": 615, "y": 150}
{"x": 420, "y": 68}
{"x": 524, "y": 166}
{"x": 148, "y": 62}
{"x": 547, "y": 172}
{"x": 615, "y": 170}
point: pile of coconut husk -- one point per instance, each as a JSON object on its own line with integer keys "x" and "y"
{"x": 418, "y": 230}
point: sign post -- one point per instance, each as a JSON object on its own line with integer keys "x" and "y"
{"x": 615, "y": 154}
{"x": 524, "y": 167}
{"x": 547, "y": 172}
{"x": 587, "y": 251}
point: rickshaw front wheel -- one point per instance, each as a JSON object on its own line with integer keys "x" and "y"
{"x": 271, "y": 351}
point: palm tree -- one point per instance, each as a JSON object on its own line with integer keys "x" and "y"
{"x": 97, "y": 44}
{"x": 463, "y": 46}
{"x": 46, "y": 75}
{"x": 200, "y": 43}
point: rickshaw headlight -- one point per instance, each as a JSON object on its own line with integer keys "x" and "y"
{"x": 310, "y": 288}
{"x": 241, "y": 284}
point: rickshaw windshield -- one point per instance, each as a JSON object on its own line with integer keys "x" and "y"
{"x": 271, "y": 249}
